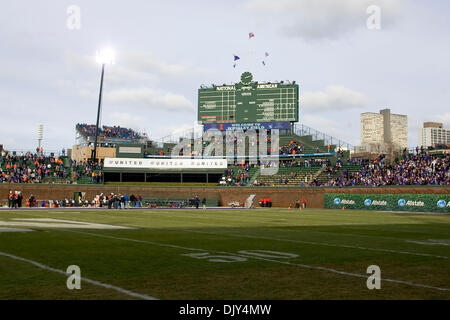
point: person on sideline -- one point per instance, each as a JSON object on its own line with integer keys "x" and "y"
{"x": 204, "y": 203}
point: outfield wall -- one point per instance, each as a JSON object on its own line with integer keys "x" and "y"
{"x": 281, "y": 197}
{"x": 439, "y": 203}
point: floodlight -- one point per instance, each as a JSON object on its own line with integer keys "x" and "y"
{"x": 106, "y": 56}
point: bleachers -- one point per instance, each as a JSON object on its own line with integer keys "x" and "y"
{"x": 237, "y": 171}
{"x": 295, "y": 175}
{"x": 326, "y": 176}
{"x": 34, "y": 169}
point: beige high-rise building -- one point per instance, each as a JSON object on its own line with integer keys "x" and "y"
{"x": 383, "y": 132}
{"x": 433, "y": 134}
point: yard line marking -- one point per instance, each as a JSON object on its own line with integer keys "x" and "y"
{"x": 336, "y": 233}
{"x": 318, "y": 243}
{"x": 429, "y": 243}
{"x": 94, "y": 282}
{"x": 136, "y": 240}
{"x": 15, "y": 230}
{"x": 270, "y": 260}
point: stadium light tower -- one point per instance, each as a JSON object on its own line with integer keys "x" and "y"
{"x": 40, "y": 136}
{"x": 105, "y": 56}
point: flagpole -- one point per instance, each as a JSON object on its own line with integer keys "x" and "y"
{"x": 249, "y": 55}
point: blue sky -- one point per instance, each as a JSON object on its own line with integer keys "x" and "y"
{"x": 166, "y": 50}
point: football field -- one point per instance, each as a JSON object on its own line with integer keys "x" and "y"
{"x": 223, "y": 254}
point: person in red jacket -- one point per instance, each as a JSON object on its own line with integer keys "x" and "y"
{"x": 10, "y": 199}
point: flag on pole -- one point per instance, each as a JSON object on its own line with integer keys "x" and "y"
{"x": 266, "y": 54}
{"x": 251, "y": 35}
{"x": 236, "y": 57}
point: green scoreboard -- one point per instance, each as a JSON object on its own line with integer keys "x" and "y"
{"x": 248, "y": 102}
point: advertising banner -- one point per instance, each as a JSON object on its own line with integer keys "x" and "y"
{"x": 133, "y": 163}
{"x": 389, "y": 202}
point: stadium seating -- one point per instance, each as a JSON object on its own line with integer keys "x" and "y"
{"x": 288, "y": 177}
{"x": 33, "y": 168}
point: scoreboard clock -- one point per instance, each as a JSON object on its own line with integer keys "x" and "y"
{"x": 248, "y": 102}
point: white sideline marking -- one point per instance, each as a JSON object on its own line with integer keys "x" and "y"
{"x": 95, "y": 283}
{"x": 319, "y": 244}
{"x": 266, "y": 259}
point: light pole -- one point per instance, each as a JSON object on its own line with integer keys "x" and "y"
{"x": 103, "y": 57}
{"x": 40, "y": 136}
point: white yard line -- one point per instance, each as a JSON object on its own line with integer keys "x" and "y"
{"x": 269, "y": 260}
{"x": 136, "y": 240}
{"x": 429, "y": 243}
{"x": 84, "y": 279}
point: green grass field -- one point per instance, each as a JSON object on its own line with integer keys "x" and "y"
{"x": 225, "y": 254}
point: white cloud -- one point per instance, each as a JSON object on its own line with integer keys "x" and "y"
{"x": 323, "y": 19}
{"x": 124, "y": 119}
{"x": 151, "y": 98}
{"x": 147, "y": 62}
{"x": 333, "y": 98}
{"x": 134, "y": 65}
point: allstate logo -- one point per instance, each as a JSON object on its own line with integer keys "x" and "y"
{"x": 367, "y": 202}
{"x": 401, "y": 202}
{"x": 441, "y": 204}
{"x": 337, "y": 201}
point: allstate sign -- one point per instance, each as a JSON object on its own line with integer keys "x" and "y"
{"x": 442, "y": 204}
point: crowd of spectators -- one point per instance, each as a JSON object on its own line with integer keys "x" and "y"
{"x": 29, "y": 167}
{"x": 88, "y": 169}
{"x": 417, "y": 169}
{"x": 236, "y": 176}
{"x": 292, "y": 149}
{"x": 88, "y": 130}
{"x": 111, "y": 201}
{"x": 37, "y": 168}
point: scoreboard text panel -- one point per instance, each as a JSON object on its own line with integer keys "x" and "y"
{"x": 241, "y": 103}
